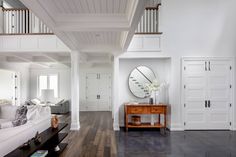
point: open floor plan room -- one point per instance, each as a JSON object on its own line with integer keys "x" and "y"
{"x": 117, "y": 78}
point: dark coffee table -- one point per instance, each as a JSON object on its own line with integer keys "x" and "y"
{"x": 50, "y": 139}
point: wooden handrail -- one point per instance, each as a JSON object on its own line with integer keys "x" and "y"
{"x": 14, "y": 9}
{"x": 148, "y": 33}
{"x": 154, "y": 8}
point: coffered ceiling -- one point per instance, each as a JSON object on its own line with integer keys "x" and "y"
{"x": 91, "y": 26}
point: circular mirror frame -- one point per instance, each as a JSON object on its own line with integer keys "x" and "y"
{"x": 129, "y": 81}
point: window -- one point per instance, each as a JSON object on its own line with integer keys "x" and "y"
{"x": 48, "y": 82}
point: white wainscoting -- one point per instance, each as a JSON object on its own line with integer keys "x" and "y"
{"x": 32, "y": 43}
{"x": 145, "y": 43}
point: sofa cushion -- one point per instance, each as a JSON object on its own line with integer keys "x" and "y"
{"x": 8, "y": 112}
{"x": 5, "y": 123}
{"x": 33, "y": 112}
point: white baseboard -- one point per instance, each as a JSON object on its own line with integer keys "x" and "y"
{"x": 176, "y": 127}
{"x": 75, "y": 126}
{"x": 116, "y": 127}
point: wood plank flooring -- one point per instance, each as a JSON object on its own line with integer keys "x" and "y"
{"x": 95, "y": 138}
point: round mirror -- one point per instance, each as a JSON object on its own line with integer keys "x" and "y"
{"x": 138, "y": 78}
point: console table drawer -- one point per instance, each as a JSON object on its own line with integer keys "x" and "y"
{"x": 137, "y": 110}
{"x": 157, "y": 109}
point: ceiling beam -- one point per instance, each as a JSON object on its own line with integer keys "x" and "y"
{"x": 134, "y": 16}
{"x": 43, "y": 14}
{"x": 91, "y": 22}
{"x": 27, "y": 59}
{"x": 55, "y": 58}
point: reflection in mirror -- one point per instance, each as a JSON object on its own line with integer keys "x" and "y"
{"x": 138, "y": 78}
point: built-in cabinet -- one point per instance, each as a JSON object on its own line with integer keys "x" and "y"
{"x": 98, "y": 92}
{"x": 207, "y": 93}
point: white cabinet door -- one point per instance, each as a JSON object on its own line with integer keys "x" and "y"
{"x": 207, "y": 94}
{"x": 104, "y": 89}
{"x": 195, "y": 95}
{"x": 98, "y": 92}
{"x": 218, "y": 81}
{"x": 91, "y": 92}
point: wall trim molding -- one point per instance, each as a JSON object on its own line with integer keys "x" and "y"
{"x": 75, "y": 126}
{"x": 116, "y": 127}
{"x": 176, "y": 127}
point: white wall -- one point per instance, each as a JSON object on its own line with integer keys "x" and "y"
{"x": 193, "y": 28}
{"x": 64, "y": 81}
{"x": 160, "y": 67}
{"x": 90, "y": 68}
{"x": 7, "y": 84}
{"x": 23, "y": 70}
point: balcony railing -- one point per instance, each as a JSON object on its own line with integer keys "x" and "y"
{"x": 149, "y": 23}
{"x": 23, "y": 21}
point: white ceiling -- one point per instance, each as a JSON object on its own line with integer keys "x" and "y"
{"x": 45, "y": 60}
{"x": 91, "y": 26}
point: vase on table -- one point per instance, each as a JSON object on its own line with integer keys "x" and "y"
{"x": 157, "y": 97}
{"x": 152, "y": 98}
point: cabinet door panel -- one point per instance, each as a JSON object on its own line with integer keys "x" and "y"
{"x": 195, "y": 95}
{"x": 104, "y": 88}
{"x": 219, "y": 94}
{"x": 91, "y": 92}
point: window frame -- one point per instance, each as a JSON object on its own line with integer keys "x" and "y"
{"x": 48, "y": 83}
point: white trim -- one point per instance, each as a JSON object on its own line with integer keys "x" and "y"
{"x": 116, "y": 127}
{"x": 176, "y": 127}
{"x": 75, "y": 126}
{"x": 230, "y": 59}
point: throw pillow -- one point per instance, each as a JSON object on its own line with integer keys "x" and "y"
{"x": 20, "y": 116}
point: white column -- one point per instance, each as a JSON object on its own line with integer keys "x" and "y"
{"x": 116, "y": 102}
{"x": 75, "y": 124}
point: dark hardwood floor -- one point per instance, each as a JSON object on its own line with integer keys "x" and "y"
{"x": 95, "y": 138}
{"x": 176, "y": 144}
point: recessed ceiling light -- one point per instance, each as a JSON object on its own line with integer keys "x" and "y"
{"x": 97, "y": 35}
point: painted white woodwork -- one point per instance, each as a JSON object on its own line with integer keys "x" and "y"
{"x": 22, "y": 21}
{"x": 75, "y": 124}
{"x": 32, "y": 43}
{"x": 116, "y": 96}
{"x": 207, "y": 91}
{"x": 142, "y": 43}
{"x": 114, "y": 21}
{"x": 98, "y": 92}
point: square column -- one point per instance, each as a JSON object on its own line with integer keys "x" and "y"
{"x": 116, "y": 102}
{"x": 75, "y": 124}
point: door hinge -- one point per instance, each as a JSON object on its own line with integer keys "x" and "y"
{"x": 230, "y": 123}
{"x": 184, "y": 105}
{"x": 230, "y": 68}
{"x": 184, "y": 68}
{"x": 230, "y": 86}
{"x": 230, "y": 105}
{"x": 184, "y": 123}
{"x": 184, "y": 86}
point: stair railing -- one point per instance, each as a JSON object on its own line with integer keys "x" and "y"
{"x": 149, "y": 23}
{"x": 23, "y": 21}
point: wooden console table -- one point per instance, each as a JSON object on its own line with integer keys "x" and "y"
{"x": 50, "y": 139}
{"x": 146, "y": 109}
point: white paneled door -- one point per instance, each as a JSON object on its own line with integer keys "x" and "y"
{"x": 207, "y": 92}
{"x": 98, "y": 92}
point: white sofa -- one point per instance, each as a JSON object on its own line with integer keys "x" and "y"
{"x": 38, "y": 119}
